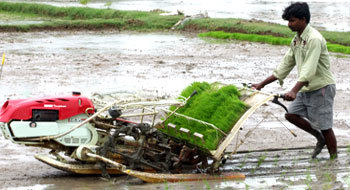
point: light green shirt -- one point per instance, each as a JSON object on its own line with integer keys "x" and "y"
{"x": 309, "y": 53}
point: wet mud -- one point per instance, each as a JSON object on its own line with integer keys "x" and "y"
{"x": 158, "y": 65}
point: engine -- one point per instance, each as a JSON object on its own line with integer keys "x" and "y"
{"x": 24, "y": 119}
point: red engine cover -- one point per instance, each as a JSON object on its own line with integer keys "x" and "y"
{"x": 68, "y": 106}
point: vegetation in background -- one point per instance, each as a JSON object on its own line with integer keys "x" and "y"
{"x": 60, "y": 12}
{"x": 9, "y": 16}
{"x": 108, "y": 4}
{"x": 338, "y": 48}
{"x": 75, "y": 18}
{"x": 86, "y": 18}
{"x": 84, "y": 2}
{"x": 237, "y": 25}
{"x": 232, "y": 25}
{"x": 268, "y": 39}
{"x": 215, "y": 104}
{"x": 248, "y": 37}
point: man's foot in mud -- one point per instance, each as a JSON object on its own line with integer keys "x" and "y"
{"x": 333, "y": 156}
{"x": 319, "y": 146}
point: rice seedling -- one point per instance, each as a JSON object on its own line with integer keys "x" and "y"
{"x": 273, "y": 40}
{"x": 261, "y": 160}
{"x": 215, "y": 104}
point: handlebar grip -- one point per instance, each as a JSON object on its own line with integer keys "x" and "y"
{"x": 282, "y": 96}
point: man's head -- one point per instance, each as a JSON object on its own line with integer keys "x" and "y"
{"x": 298, "y": 16}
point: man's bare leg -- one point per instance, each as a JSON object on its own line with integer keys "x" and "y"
{"x": 306, "y": 126}
{"x": 331, "y": 143}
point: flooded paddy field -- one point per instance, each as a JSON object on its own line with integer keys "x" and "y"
{"x": 159, "y": 65}
{"x": 326, "y": 14}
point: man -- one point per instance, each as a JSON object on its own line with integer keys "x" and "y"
{"x": 313, "y": 94}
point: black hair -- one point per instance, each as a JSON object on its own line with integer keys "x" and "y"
{"x": 298, "y": 10}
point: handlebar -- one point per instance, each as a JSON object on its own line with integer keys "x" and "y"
{"x": 275, "y": 100}
{"x": 281, "y": 96}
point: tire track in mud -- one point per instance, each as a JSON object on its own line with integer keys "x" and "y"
{"x": 293, "y": 168}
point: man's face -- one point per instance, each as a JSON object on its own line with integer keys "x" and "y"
{"x": 296, "y": 24}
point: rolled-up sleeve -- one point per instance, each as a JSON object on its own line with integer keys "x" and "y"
{"x": 309, "y": 66}
{"x": 282, "y": 71}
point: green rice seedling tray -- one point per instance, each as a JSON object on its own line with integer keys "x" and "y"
{"x": 207, "y": 117}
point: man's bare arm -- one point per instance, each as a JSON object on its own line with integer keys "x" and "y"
{"x": 292, "y": 94}
{"x": 265, "y": 82}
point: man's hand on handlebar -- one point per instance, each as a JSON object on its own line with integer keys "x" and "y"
{"x": 290, "y": 96}
{"x": 257, "y": 86}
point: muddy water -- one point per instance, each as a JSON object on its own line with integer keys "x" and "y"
{"x": 161, "y": 65}
{"x": 81, "y": 52}
{"x": 326, "y": 14}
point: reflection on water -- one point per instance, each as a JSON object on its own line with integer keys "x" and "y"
{"x": 20, "y": 22}
{"x": 327, "y": 14}
{"x": 141, "y": 44}
{"x": 47, "y": 46}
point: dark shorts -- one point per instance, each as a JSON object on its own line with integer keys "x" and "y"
{"x": 316, "y": 106}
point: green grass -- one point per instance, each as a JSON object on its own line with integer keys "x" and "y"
{"x": 261, "y": 160}
{"x": 213, "y": 104}
{"x": 19, "y": 16}
{"x": 142, "y": 24}
{"x": 248, "y": 37}
{"x": 268, "y": 39}
{"x": 59, "y": 12}
{"x": 338, "y": 48}
{"x": 342, "y": 38}
{"x": 84, "y": 2}
{"x": 237, "y": 25}
{"x": 231, "y": 25}
{"x": 84, "y": 18}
